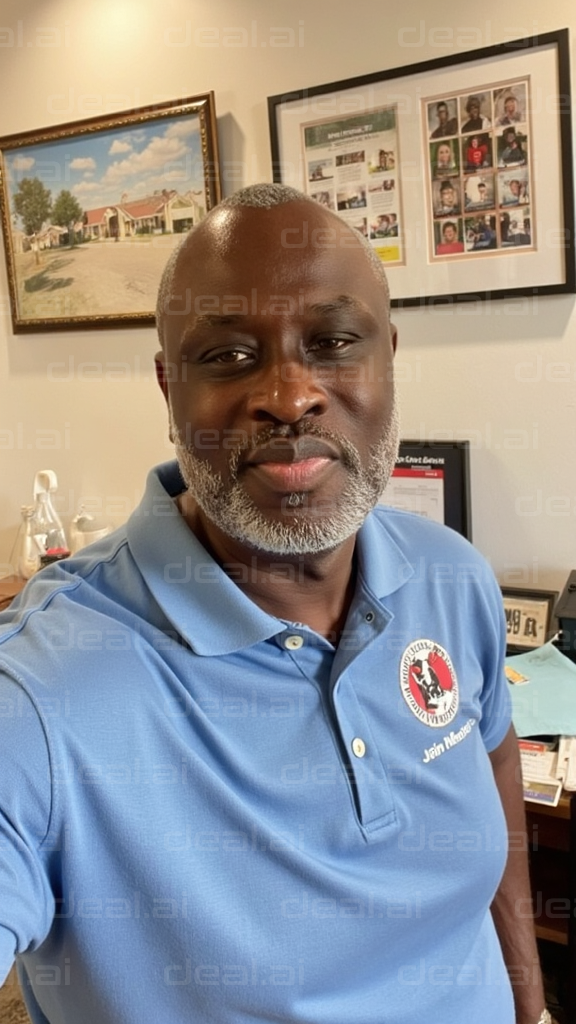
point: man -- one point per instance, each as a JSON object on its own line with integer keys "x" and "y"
{"x": 450, "y": 243}
{"x": 447, "y": 202}
{"x": 511, "y": 151}
{"x": 482, "y": 235}
{"x": 519, "y": 232}
{"x": 381, "y": 229}
{"x": 477, "y": 194}
{"x": 476, "y": 120}
{"x": 446, "y": 125}
{"x": 516, "y": 192}
{"x": 250, "y": 803}
{"x": 512, "y": 114}
{"x": 393, "y": 228}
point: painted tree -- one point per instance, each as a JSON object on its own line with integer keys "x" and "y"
{"x": 66, "y": 212}
{"x": 33, "y": 203}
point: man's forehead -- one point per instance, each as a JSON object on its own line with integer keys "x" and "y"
{"x": 223, "y": 223}
{"x": 234, "y": 238}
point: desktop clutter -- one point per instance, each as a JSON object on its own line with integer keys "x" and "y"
{"x": 543, "y": 691}
{"x": 42, "y": 539}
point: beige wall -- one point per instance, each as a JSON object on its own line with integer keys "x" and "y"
{"x": 486, "y": 374}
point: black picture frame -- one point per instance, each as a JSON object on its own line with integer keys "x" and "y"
{"x": 465, "y": 272}
{"x": 450, "y": 461}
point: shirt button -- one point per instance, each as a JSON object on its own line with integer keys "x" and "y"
{"x": 293, "y": 643}
{"x": 369, "y": 616}
{"x": 358, "y": 747}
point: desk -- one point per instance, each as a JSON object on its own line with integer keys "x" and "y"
{"x": 552, "y": 846}
{"x": 10, "y": 586}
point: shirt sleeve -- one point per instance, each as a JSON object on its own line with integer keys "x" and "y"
{"x": 26, "y": 901}
{"x": 496, "y": 704}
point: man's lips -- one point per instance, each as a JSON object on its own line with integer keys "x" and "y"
{"x": 292, "y": 466}
{"x": 292, "y": 476}
{"x": 281, "y": 450}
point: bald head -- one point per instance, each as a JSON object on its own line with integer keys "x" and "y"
{"x": 213, "y": 236}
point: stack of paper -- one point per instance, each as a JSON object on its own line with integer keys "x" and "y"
{"x": 543, "y": 692}
{"x": 539, "y": 763}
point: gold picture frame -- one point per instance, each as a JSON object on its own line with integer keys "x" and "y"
{"x": 91, "y": 211}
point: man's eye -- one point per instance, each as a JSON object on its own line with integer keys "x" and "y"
{"x": 330, "y": 344}
{"x": 230, "y": 356}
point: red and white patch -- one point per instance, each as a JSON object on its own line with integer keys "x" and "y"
{"x": 428, "y": 683}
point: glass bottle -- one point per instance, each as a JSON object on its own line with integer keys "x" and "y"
{"x": 28, "y": 554}
{"x": 48, "y": 530}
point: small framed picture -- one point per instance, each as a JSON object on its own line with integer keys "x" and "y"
{"x": 432, "y": 479}
{"x": 529, "y": 617}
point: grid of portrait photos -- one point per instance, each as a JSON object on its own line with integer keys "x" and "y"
{"x": 478, "y": 145}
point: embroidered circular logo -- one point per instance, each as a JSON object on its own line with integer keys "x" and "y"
{"x": 428, "y": 683}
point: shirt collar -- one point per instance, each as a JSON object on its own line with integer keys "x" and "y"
{"x": 383, "y": 566}
{"x": 202, "y": 602}
{"x": 205, "y": 606}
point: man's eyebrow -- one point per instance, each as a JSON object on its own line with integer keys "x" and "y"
{"x": 213, "y": 321}
{"x": 343, "y": 302}
{"x": 210, "y": 321}
{"x": 217, "y": 319}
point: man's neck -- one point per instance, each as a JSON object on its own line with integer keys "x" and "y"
{"x": 315, "y": 589}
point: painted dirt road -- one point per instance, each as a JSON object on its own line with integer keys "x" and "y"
{"x": 93, "y": 279}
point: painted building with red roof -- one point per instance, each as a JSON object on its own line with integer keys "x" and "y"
{"x": 166, "y": 211}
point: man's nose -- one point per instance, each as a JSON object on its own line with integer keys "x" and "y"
{"x": 286, "y": 392}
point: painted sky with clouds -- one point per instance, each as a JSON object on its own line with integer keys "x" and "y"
{"x": 99, "y": 168}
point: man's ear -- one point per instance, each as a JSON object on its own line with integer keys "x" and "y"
{"x": 162, "y": 378}
{"x": 393, "y": 337}
{"x": 161, "y": 375}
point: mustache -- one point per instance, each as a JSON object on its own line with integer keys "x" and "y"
{"x": 283, "y": 434}
{"x": 286, "y": 437}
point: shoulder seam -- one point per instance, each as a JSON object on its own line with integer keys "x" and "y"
{"x": 14, "y": 676}
{"x": 66, "y": 586}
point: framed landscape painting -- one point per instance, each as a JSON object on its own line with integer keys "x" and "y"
{"x": 91, "y": 211}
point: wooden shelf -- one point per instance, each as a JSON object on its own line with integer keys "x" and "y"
{"x": 550, "y": 877}
{"x": 552, "y": 848}
{"x": 552, "y": 934}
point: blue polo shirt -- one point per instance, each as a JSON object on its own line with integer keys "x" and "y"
{"x": 209, "y": 814}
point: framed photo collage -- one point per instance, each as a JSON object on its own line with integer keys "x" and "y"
{"x": 479, "y": 150}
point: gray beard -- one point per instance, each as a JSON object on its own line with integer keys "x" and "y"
{"x": 309, "y": 532}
